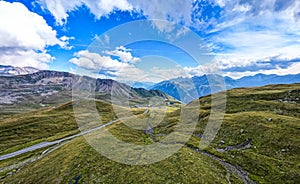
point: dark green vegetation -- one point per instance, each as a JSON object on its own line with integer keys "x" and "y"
{"x": 268, "y": 116}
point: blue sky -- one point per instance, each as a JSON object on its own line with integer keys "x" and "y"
{"x": 233, "y": 38}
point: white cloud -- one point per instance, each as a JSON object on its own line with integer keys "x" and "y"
{"x": 212, "y": 68}
{"x": 242, "y": 33}
{"x": 292, "y": 69}
{"x": 23, "y": 58}
{"x": 168, "y": 73}
{"x": 104, "y": 7}
{"x": 65, "y": 38}
{"x": 173, "y": 10}
{"x": 93, "y": 63}
{"x": 177, "y": 11}
{"x": 252, "y": 32}
{"x": 251, "y": 47}
{"x": 60, "y": 9}
{"x": 124, "y": 54}
{"x": 24, "y": 36}
{"x": 22, "y": 28}
{"x": 104, "y": 66}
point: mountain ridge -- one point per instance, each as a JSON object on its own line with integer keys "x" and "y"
{"x": 13, "y": 71}
{"x": 187, "y": 89}
{"x": 47, "y": 87}
{"x": 182, "y": 89}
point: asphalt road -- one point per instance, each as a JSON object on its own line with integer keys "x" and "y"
{"x": 46, "y": 144}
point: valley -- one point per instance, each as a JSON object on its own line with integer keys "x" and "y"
{"x": 257, "y": 142}
{"x": 150, "y": 92}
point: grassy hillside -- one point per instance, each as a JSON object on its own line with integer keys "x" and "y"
{"x": 269, "y": 117}
{"x": 259, "y": 136}
{"x": 48, "y": 124}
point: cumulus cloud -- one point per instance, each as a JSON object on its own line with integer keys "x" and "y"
{"x": 212, "y": 68}
{"x": 249, "y": 34}
{"x": 94, "y": 61}
{"x": 123, "y": 54}
{"x": 24, "y": 37}
{"x": 104, "y": 65}
{"x": 60, "y": 9}
{"x": 23, "y": 58}
{"x": 173, "y": 10}
{"x": 96, "y": 65}
{"x": 248, "y": 48}
{"x": 241, "y": 33}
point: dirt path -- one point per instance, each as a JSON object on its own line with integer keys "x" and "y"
{"x": 235, "y": 170}
{"x": 246, "y": 144}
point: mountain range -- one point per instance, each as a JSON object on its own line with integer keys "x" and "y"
{"x": 187, "y": 89}
{"x": 12, "y": 71}
{"x": 257, "y": 142}
{"x": 183, "y": 89}
{"x": 45, "y": 88}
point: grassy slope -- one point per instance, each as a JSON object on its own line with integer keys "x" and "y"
{"x": 273, "y": 155}
{"x": 23, "y": 130}
{"x": 79, "y": 161}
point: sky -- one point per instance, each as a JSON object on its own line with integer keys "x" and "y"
{"x": 153, "y": 40}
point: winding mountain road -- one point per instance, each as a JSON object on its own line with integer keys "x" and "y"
{"x": 46, "y": 144}
{"x": 237, "y": 171}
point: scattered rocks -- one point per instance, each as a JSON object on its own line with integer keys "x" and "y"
{"x": 223, "y": 142}
{"x": 283, "y": 150}
{"x": 199, "y": 135}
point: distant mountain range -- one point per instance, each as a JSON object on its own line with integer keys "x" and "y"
{"x": 187, "y": 89}
{"x": 183, "y": 89}
{"x": 52, "y": 87}
{"x": 12, "y": 71}
{"x": 145, "y": 85}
